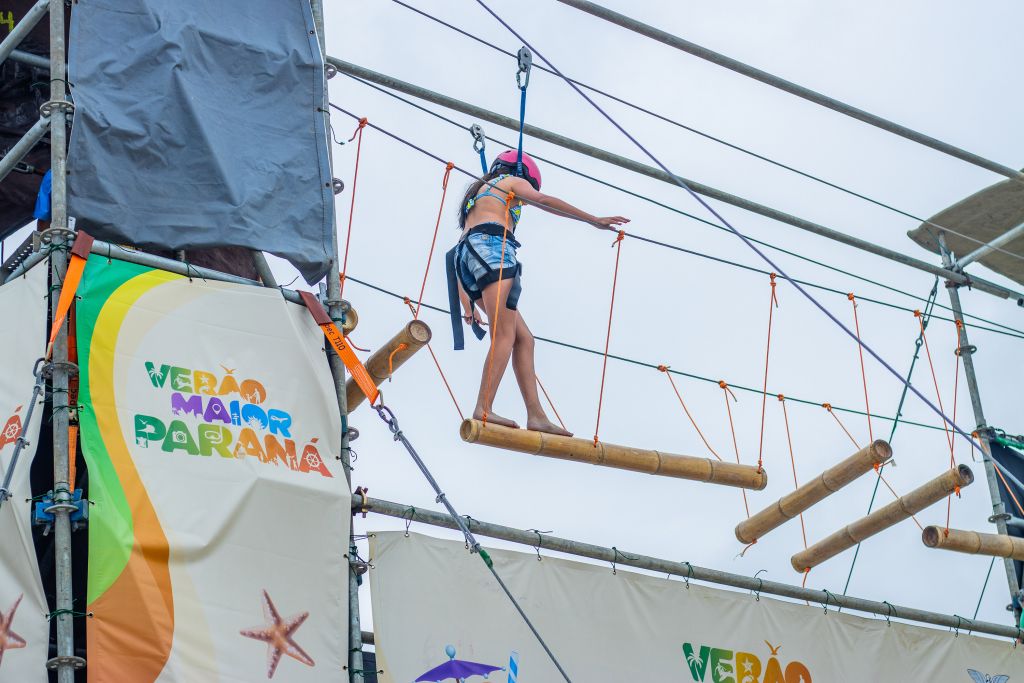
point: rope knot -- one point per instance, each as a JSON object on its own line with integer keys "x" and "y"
{"x": 362, "y": 124}
{"x": 663, "y": 368}
{"x": 827, "y": 406}
{"x": 722, "y": 384}
{"x": 850, "y": 296}
{"x": 449, "y": 166}
{"x": 595, "y": 440}
{"x": 621, "y": 236}
{"x": 781, "y": 397}
{"x": 959, "y": 324}
{"x": 406, "y": 300}
{"x": 877, "y": 467}
{"x": 956, "y": 490}
{"x": 917, "y": 313}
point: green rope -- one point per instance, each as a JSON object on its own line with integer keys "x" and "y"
{"x": 925, "y": 319}
{"x": 654, "y": 366}
{"x": 61, "y": 612}
{"x": 984, "y": 586}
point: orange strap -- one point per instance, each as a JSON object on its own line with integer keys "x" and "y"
{"x": 863, "y": 372}
{"x": 608, "y": 337}
{"x": 72, "y": 454}
{"x": 72, "y": 278}
{"x": 773, "y": 303}
{"x": 391, "y": 358}
{"x": 664, "y": 368}
{"x": 437, "y": 226}
{"x": 352, "y": 204}
{"x": 341, "y": 345}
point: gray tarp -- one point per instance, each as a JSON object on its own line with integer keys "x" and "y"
{"x": 200, "y": 124}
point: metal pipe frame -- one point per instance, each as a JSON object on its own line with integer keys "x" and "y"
{"x": 23, "y": 146}
{"x": 983, "y": 250}
{"x": 790, "y": 87}
{"x": 966, "y": 352}
{"x": 21, "y": 30}
{"x": 682, "y": 569}
{"x": 65, "y": 662}
{"x": 30, "y": 59}
{"x": 652, "y": 172}
{"x": 334, "y": 309}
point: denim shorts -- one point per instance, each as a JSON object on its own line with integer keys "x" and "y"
{"x": 488, "y": 247}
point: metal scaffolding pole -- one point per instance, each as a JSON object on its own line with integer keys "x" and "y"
{"x": 658, "y": 174}
{"x": 65, "y": 662}
{"x": 23, "y": 146}
{"x": 966, "y": 352}
{"x": 790, "y": 87}
{"x": 28, "y": 22}
{"x": 682, "y": 569}
{"x": 335, "y": 310}
{"x": 30, "y": 59}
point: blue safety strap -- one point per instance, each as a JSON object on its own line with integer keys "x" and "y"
{"x": 479, "y": 145}
{"x": 525, "y": 58}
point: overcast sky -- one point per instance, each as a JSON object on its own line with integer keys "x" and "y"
{"x": 940, "y": 67}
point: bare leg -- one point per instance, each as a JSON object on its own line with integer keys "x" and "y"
{"x": 503, "y": 337}
{"x": 526, "y": 375}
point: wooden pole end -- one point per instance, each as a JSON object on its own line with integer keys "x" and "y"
{"x": 931, "y": 536}
{"x": 419, "y": 331}
{"x": 469, "y": 430}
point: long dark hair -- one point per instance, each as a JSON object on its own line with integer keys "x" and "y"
{"x": 473, "y": 190}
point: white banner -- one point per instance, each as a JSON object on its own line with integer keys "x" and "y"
{"x": 437, "y": 608}
{"x": 24, "y": 631}
{"x": 220, "y": 525}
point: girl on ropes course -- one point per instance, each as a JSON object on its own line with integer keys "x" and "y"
{"x": 484, "y": 271}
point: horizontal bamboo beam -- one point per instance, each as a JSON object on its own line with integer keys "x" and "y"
{"x": 388, "y": 358}
{"x": 900, "y": 509}
{"x": 813, "y": 492}
{"x": 610, "y": 455}
{"x": 974, "y": 542}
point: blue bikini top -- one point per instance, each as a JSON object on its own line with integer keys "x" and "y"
{"x": 515, "y": 211}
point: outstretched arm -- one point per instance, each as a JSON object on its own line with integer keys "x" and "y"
{"x": 524, "y": 191}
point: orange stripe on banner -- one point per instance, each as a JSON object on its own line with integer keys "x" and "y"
{"x": 79, "y": 255}
{"x": 341, "y": 345}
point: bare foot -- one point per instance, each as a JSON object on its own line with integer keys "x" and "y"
{"x": 495, "y": 419}
{"x": 546, "y": 426}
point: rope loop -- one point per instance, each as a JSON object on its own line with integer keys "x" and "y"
{"x": 407, "y": 516}
{"x": 362, "y": 124}
{"x": 892, "y": 612}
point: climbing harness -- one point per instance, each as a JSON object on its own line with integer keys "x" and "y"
{"x": 391, "y": 421}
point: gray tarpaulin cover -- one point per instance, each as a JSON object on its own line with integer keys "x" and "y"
{"x": 198, "y": 124}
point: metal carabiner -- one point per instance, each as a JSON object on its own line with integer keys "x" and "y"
{"x": 479, "y": 143}
{"x": 525, "y": 60}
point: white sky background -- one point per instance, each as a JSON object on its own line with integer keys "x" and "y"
{"x": 939, "y": 67}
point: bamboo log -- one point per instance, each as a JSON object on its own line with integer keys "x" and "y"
{"x": 900, "y": 509}
{"x": 813, "y": 492}
{"x": 610, "y": 455}
{"x": 389, "y": 358}
{"x": 974, "y": 542}
{"x": 351, "y": 320}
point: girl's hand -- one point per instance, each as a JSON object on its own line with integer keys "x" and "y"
{"x": 610, "y": 222}
{"x": 472, "y": 317}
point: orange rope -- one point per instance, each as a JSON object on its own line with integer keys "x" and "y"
{"x": 551, "y": 403}
{"x": 446, "y": 385}
{"x": 437, "y": 364}
{"x": 444, "y": 192}
{"x": 807, "y": 572}
{"x": 935, "y": 379}
{"x": 792, "y": 462}
{"x": 497, "y": 292}
{"x": 863, "y": 372}
{"x": 608, "y": 337}
{"x": 828, "y": 407}
{"x": 352, "y": 206}
{"x": 391, "y": 358}
{"x": 664, "y": 368}
{"x": 952, "y": 443}
{"x": 768, "y": 347}
{"x": 726, "y": 392}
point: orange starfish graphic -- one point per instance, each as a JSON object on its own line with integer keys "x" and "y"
{"x": 9, "y": 640}
{"x": 278, "y": 636}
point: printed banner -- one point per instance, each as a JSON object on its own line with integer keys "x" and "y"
{"x": 438, "y": 614}
{"x": 221, "y": 511}
{"x": 24, "y": 631}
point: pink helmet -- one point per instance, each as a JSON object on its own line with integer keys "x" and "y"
{"x": 509, "y": 159}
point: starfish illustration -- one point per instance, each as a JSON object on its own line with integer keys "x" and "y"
{"x": 278, "y": 635}
{"x": 9, "y": 640}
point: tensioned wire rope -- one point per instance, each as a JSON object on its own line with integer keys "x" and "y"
{"x": 1007, "y": 330}
{"x": 708, "y": 136}
{"x": 741, "y": 236}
